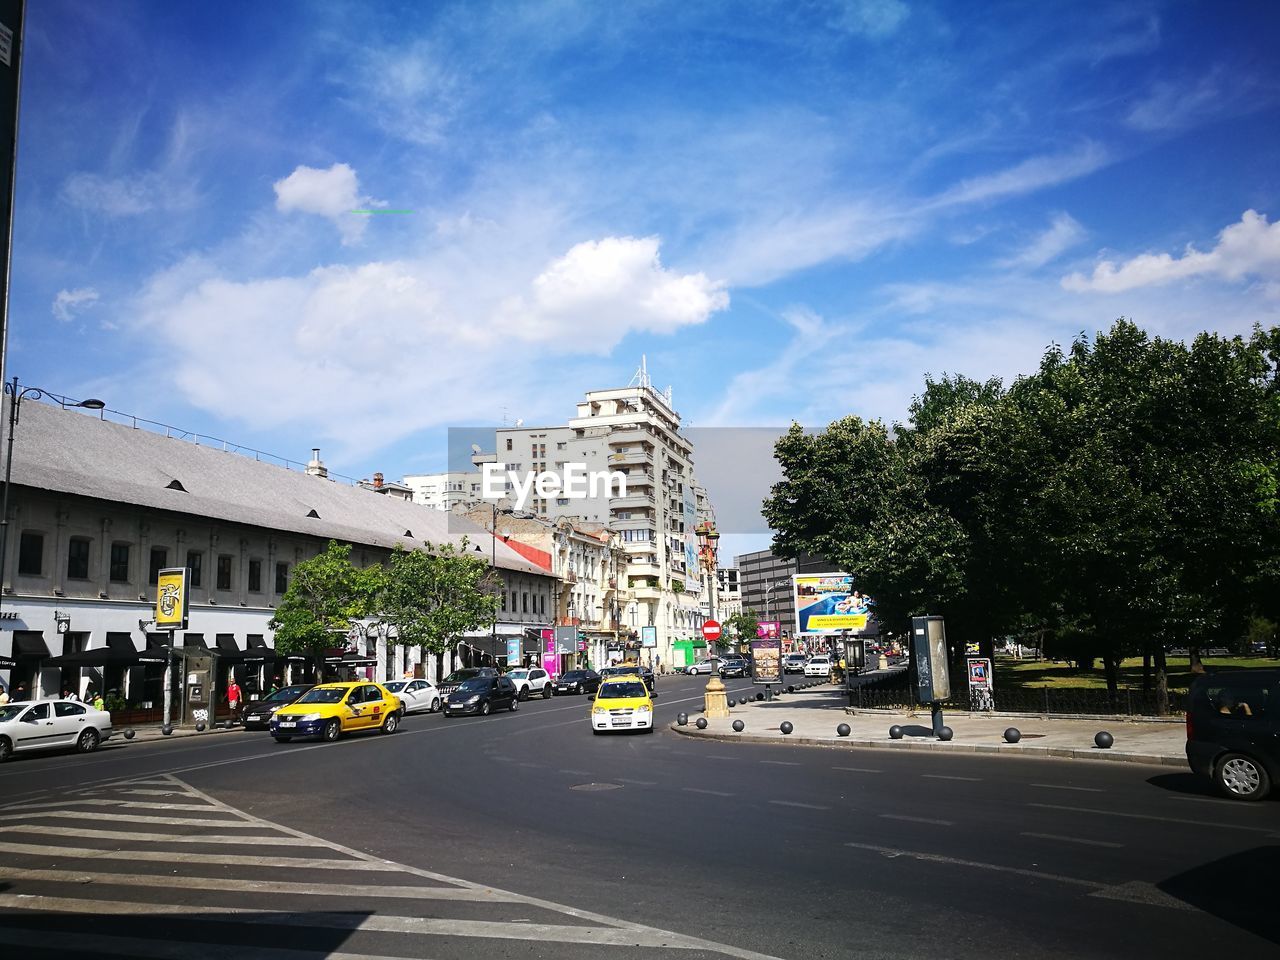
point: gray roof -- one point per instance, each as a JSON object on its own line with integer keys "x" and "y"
{"x": 76, "y": 452}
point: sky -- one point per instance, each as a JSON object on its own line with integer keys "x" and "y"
{"x": 794, "y": 210}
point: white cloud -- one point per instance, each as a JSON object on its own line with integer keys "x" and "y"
{"x": 870, "y": 18}
{"x": 1248, "y": 248}
{"x": 333, "y": 194}
{"x": 1063, "y": 234}
{"x": 114, "y": 196}
{"x": 67, "y": 302}
{"x": 1034, "y": 173}
{"x": 1176, "y": 106}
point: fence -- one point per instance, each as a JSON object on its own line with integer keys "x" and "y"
{"x": 896, "y": 695}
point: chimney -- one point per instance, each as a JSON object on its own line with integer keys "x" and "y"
{"x": 315, "y": 468}
{"x": 377, "y": 481}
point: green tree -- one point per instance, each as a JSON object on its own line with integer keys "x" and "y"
{"x": 741, "y": 628}
{"x": 325, "y": 594}
{"x": 433, "y": 597}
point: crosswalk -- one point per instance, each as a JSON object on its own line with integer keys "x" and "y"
{"x": 154, "y": 868}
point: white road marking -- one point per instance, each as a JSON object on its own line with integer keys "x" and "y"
{"x": 637, "y": 783}
{"x": 1082, "y": 840}
{"x": 794, "y": 803}
{"x": 713, "y": 793}
{"x": 577, "y": 773}
{"x": 133, "y": 804}
{"x": 899, "y": 816}
{"x": 167, "y": 856}
{"x": 136, "y": 948}
{"x": 165, "y": 837}
{"x": 716, "y": 756}
{"x": 781, "y": 763}
{"x": 858, "y": 769}
{"x": 128, "y": 818}
{"x": 1144, "y": 816}
{"x": 893, "y": 853}
{"x": 940, "y": 776}
{"x": 1063, "y": 786}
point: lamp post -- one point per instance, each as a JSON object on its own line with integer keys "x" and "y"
{"x": 17, "y": 394}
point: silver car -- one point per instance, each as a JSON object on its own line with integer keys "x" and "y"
{"x": 51, "y": 725}
{"x": 416, "y": 696}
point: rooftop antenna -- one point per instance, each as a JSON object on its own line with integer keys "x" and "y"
{"x": 641, "y": 378}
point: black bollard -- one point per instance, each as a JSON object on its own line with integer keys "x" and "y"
{"x": 785, "y": 727}
{"x": 702, "y": 723}
{"x": 739, "y": 726}
{"x": 1012, "y": 735}
{"x": 895, "y": 732}
{"x": 167, "y": 729}
{"x": 128, "y": 734}
{"x": 1104, "y": 740}
{"x": 682, "y": 719}
{"x": 946, "y": 733}
{"x": 842, "y": 730}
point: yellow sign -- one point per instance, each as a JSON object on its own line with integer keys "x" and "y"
{"x": 830, "y": 621}
{"x": 171, "y": 599}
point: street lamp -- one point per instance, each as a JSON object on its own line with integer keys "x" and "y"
{"x": 17, "y": 394}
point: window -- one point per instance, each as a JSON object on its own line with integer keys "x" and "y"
{"x": 224, "y": 571}
{"x": 282, "y": 578}
{"x": 31, "y": 554}
{"x": 78, "y": 559}
{"x": 524, "y": 600}
{"x": 255, "y": 576}
{"x": 159, "y": 557}
{"x": 120, "y": 563}
{"x": 39, "y": 712}
{"x": 195, "y": 562}
{"x": 504, "y": 599}
{"x": 508, "y": 443}
{"x": 62, "y": 709}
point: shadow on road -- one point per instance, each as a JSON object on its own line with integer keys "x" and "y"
{"x": 1240, "y": 889}
{"x": 1185, "y": 783}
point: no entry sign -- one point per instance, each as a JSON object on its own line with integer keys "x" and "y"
{"x": 711, "y": 630}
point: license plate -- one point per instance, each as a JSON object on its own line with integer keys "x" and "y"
{"x": 254, "y": 718}
{"x": 287, "y": 723}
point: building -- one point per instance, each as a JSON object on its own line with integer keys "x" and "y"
{"x": 444, "y": 491}
{"x": 634, "y": 432}
{"x": 765, "y": 585}
{"x": 388, "y": 488}
{"x": 97, "y": 509}
{"x": 729, "y": 597}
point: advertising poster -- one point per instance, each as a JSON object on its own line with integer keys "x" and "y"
{"x": 513, "y": 651}
{"x": 827, "y": 603}
{"x": 550, "y": 659}
{"x": 648, "y": 636}
{"x": 171, "y": 599}
{"x": 766, "y": 661}
{"x": 981, "y": 684}
{"x": 769, "y": 629}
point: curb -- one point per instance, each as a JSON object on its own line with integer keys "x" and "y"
{"x": 1001, "y": 714}
{"x": 148, "y": 734}
{"x": 1006, "y": 749}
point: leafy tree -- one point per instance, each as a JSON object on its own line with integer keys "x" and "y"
{"x": 742, "y": 627}
{"x": 325, "y": 594}
{"x": 434, "y": 596}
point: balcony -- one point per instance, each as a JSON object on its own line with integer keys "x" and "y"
{"x": 634, "y": 498}
{"x": 631, "y": 456}
{"x": 571, "y": 576}
{"x": 629, "y": 433}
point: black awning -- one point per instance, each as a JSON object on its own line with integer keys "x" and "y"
{"x": 255, "y": 642}
{"x": 352, "y": 660}
{"x": 29, "y": 645}
{"x": 227, "y": 645}
{"x": 194, "y": 641}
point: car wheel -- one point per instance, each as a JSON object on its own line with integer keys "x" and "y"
{"x": 484, "y": 709}
{"x": 1242, "y": 778}
{"x": 547, "y": 691}
{"x": 332, "y": 730}
{"x": 515, "y": 704}
{"x": 6, "y": 749}
{"x": 389, "y": 725}
{"x": 283, "y": 739}
{"x": 435, "y": 706}
{"x": 577, "y": 688}
{"x": 524, "y": 693}
{"x": 88, "y": 741}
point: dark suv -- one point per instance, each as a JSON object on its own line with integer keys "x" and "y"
{"x": 459, "y": 677}
{"x": 1233, "y": 731}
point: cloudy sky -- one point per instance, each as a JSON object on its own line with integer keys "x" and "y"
{"x": 795, "y": 209}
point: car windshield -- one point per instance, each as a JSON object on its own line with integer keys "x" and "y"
{"x": 475, "y": 685}
{"x": 620, "y": 671}
{"x": 324, "y": 695}
{"x": 458, "y": 676}
{"x": 395, "y": 686}
{"x": 11, "y": 711}
{"x": 617, "y": 691}
{"x": 285, "y": 695}
{"x": 574, "y": 675}
{"x": 518, "y": 674}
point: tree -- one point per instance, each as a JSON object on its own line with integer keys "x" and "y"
{"x": 325, "y": 594}
{"x": 743, "y": 627}
{"x": 434, "y": 596}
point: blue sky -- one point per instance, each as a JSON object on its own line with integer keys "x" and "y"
{"x": 795, "y": 209}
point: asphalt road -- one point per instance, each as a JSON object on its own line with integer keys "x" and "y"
{"x": 522, "y": 835}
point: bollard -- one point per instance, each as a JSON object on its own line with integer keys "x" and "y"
{"x": 946, "y": 733}
{"x": 791, "y": 688}
{"x": 786, "y": 727}
{"x": 742, "y": 701}
{"x": 200, "y": 727}
{"x": 167, "y": 729}
{"x": 895, "y": 732}
{"x": 1012, "y": 735}
{"x": 128, "y": 734}
{"x": 1104, "y": 740}
{"x": 738, "y": 726}
{"x": 682, "y": 719}
{"x": 702, "y": 723}
{"x": 759, "y": 696}
{"x": 842, "y": 730}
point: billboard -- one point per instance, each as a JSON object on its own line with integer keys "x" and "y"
{"x": 769, "y": 629}
{"x": 171, "y": 599}
{"x": 827, "y": 603}
{"x": 648, "y": 636}
{"x": 766, "y": 661}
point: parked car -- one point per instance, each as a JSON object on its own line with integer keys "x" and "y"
{"x": 51, "y": 725}
{"x": 733, "y": 667}
{"x": 793, "y": 663}
{"x": 818, "y": 667}
{"x": 577, "y": 681}
{"x": 482, "y": 695}
{"x": 417, "y": 696}
{"x": 1233, "y": 731}
{"x": 631, "y": 670}
{"x": 458, "y": 677}
{"x": 329, "y": 710}
{"x": 622, "y": 703}
{"x": 708, "y": 665}
{"x": 258, "y": 713}
{"x": 530, "y": 681}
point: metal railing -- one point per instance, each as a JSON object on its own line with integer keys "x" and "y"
{"x": 894, "y": 693}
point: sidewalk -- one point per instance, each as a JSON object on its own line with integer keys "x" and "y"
{"x": 151, "y": 731}
{"x": 816, "y": 712}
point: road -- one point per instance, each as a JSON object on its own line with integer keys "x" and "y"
{"x": 522, "y": 835}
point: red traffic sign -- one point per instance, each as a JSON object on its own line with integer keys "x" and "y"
{"x": 711, "y": 630}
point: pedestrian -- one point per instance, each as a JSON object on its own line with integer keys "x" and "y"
{"x": 98, "y": 702}
{"x": 20, "y": 693}
{"x": 233, "y": 699}
{"x": 4, "y": 696}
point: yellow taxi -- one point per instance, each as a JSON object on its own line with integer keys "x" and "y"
{"x": 622, "y": 703}
{"x": 329, "y": 710}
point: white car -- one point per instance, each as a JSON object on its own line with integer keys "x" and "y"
{"x": 818, "y": 667}
{"x": 51, "y": 725}
{"x": 711, "y": 665}
{"x": 417, "y": 696}
{"x": 530, "y": 681}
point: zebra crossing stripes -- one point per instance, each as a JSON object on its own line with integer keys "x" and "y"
{"x": 212, "y": 881}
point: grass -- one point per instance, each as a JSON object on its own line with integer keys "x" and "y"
{"x": 1035, "y": 674}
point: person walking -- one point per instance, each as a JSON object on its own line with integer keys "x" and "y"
{"x": 233, "y": 699}
{"x": 98, "y": 702}
{"x": 4, "y": 696}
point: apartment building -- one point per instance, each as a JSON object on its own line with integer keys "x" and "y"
{"x": 444, "y": 491}
{"x": 765, "y": 584}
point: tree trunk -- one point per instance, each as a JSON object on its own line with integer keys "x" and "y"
{"x": 1162, "y": 682}
{"x": 1111, "y": 667}
{"x": 1146, "y": 671}
{"x": 1193, "y": 655}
